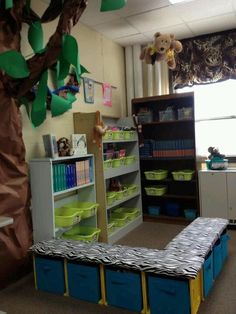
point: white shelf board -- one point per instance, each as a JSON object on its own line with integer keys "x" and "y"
{"x": 120, "y": 141}
{"x": 46, "y": 159}
{"x": 120, "y": 233}
{"x": 5, "y": 221}
{"x": 119, "y": 171}
{"x": 78, "y": 187}
{"x": 123, "y": 200}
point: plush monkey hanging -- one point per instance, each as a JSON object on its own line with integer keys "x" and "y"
{"x": 99, "y": 130}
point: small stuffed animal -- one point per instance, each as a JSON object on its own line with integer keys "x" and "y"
{"x": 164, "y": 47}
{"x": 99, "y": 130}
{"x": 64, "y": 147}
{"x": 214, "y": 152}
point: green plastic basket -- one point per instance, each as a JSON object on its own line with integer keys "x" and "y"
{"x": 119, "y": 195}
{"x": 108, "y": 135}
{"x": 117, "y": 162}
{"x": 66, "y": 217}
{"x": 107, "y": 164}
{"x": 183, "y": 175}
{"x": 82, "y": 233}
{"x": 156, "y": 190}
{"x": 120, "y": 219}
{"x": 132, "y": 188}
{"x": 129, "y": 135}
{"x": 117, "y": 135}
{"x": 156, "y": 174}
{"x": 131, "y": 213}
{"x": 111, "y": 227}
{"x": 129, "y": 160}
{"x": 111, "y": 197}
{"x": 86, "y": 209}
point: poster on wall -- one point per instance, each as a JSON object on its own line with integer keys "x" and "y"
{"x": 88, "y": 90}
{"x": 107, "y": 93}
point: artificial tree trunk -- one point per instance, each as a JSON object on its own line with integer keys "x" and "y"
{"x": 15, "y": 239}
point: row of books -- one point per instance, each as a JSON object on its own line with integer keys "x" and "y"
{"x": 69, "y": 175}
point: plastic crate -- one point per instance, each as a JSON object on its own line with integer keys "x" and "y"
{"x": 183, "y": 175}
{"x": 86, "y": 209}
{"x": 111, "y": 227}
{"x": 224, "y": 245}
{"x": 107, "y": 164}
{"x": 208, "y": 279}
{"x": 156, "y": 190}
{"x": 172, "y": 209}
{"x": 145, "y": 117}
{"x": 156, "y": 174}
{"x": 117, "y": 162}
{"x": 111, "y": 197}
{"x": 217, "y": 164}
{"x": 167, "y": 115}
{"x": 82, "y": 233}
{"x": 217, "y": 258}
{"x": 66, "y": 217}
{"x": 120, "y": 219}
{"x": 185, "y": 113}
{"x": 108, "y": 135}
{"x": 129, "y": 160}
{"x": 190, "y": 213}
{"x": 131, "y": 213}
{"x": 117, "y": 135}
{"x": 154, "y": 210}
{"x": 119, "y": 195}
{"x": 129, "y": 135}
{"x": 131, "y": 188}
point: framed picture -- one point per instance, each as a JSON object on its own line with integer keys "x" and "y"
{"x": 88, "y": 90}
{"x": 79, "y": 144}
{"x": 50, "y": 145}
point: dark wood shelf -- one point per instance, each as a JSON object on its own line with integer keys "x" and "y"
{"x": 169, "y": 180}
{"x": 166, "y": 158}
{"x": 167, "y": 219}
{"x": 186, "y": 197}
{"x": 168, "y": 122}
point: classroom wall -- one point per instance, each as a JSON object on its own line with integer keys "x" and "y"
{"x": 106, "y": 62}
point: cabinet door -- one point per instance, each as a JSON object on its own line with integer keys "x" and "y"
{"x": 231, "y": 186}
{"x": 213, "y": 194}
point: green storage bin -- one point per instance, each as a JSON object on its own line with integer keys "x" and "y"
{"x": 132, "y": 188}
{"x": 107, "y": 135}
{"x": 86, "y": 209}
{"x": 107, "y": 164}
{"x": 111, "y": 227}
{"x": 67, "y": 217}
{"x": 119, "y": 195}
{"x": 156, "y": 190}
{"x": 129, "y": 160}
{"x": 119, "y": 219}
{"x": 117, "y": 135}
{"x": 111, "y": 197}
{"x": 158, "y": 174}
{"x": 131, "y": 213}
{"x": 117, "y": 162}
{"x": 129, "y": 135}
{"x": 82, "y": 233}
{"x": 183, "y": 175}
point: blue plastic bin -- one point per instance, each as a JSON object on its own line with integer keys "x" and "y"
{"x": 50, "y": 275}
{"x": 84, "y": 281}
{"x": 224, "y": 245}
{"x": 168, "y": 296}
{"x": 172, "y": 209}
{"x": 154, "y": 210}
{"x": 208, "y": 277}
{"x": 123, "y": 289}
{"x": 217, "y": 258}
{"x": 190, "y": 213}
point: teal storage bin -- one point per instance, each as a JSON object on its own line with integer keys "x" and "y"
{"x": 50, "y": 274}
{"x": 217, "y": 258}
{"x": 208, "y": 277}
{"x": 154, "y": 210}
{"x": 168, "y": 296}
{"x": 123, "y": 289}
{"x": 84, "y": 281}
{"x": 224, "y": 245}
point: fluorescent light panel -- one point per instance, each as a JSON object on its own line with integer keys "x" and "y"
{"x": 178, "y": 1}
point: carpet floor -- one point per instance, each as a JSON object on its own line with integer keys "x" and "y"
{"x": 22, "y": 298}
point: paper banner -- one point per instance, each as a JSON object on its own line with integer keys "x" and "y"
{"x": 35, "y": 36}
{"x": 59, "y": 105}
{"x": 8, "y": 4}
{"x": 14, "y": 64}
{"x": 107, "y": 94}
{"x": 110, "y": 5}
{"x": 88, "y": 90}
{"x": 83, "y": 70}
{"x": 38, "y": 112}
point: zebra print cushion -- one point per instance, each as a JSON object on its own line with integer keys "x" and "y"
{"x": 183, "y": 256}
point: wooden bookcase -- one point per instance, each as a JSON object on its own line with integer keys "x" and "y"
{"x": 84, "y": 123}
{"x": 170, "y": 139}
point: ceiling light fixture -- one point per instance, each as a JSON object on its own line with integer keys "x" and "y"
{"x": 178, "y": 1}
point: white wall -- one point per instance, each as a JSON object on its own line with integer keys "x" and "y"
{"x": 104, "y": 59}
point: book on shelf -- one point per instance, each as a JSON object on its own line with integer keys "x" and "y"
{"x": 50, "y": 145}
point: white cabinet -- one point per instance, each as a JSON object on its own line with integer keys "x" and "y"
{"x": 218, "y": 193}
{"x": 45, "y": 199}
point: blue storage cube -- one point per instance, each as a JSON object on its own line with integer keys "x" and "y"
{"x": 123, "y": 289}
{"x": 168, "y": 296}
{"x": 173, "y": 209}
{"x": 208, "y": 278}
{"x": 224, "y": 246}
{"x": 84, "y": 281}
{"x": 50, "y": 274}
{"x": 217, "y": 258}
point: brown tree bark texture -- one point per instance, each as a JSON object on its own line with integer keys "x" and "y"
{"x": 15, "y": 239}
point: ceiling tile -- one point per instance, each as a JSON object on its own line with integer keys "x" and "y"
{"x": 139, "y": 6}
{"x": 180, "y": 31}
{"x": 153, "y": 20}
{"x": 196, "y": 10}
{"x": 116, "y": 29}
{"x": 132, "y": 40}
{"x": 212, "y": 25}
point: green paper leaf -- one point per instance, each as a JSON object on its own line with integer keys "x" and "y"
{"x": 8, "y": 4}
{"x": 38, "y": 112}
{"x": 35, "y": 36}
{"x": 83, "y": 70}
{"x": 59, "y": 105}
{"x": 70, "y": 97}
{"x": 110, "y": 5}
{"x": 14, "y": 64}
{"x": 63, "y": 68}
